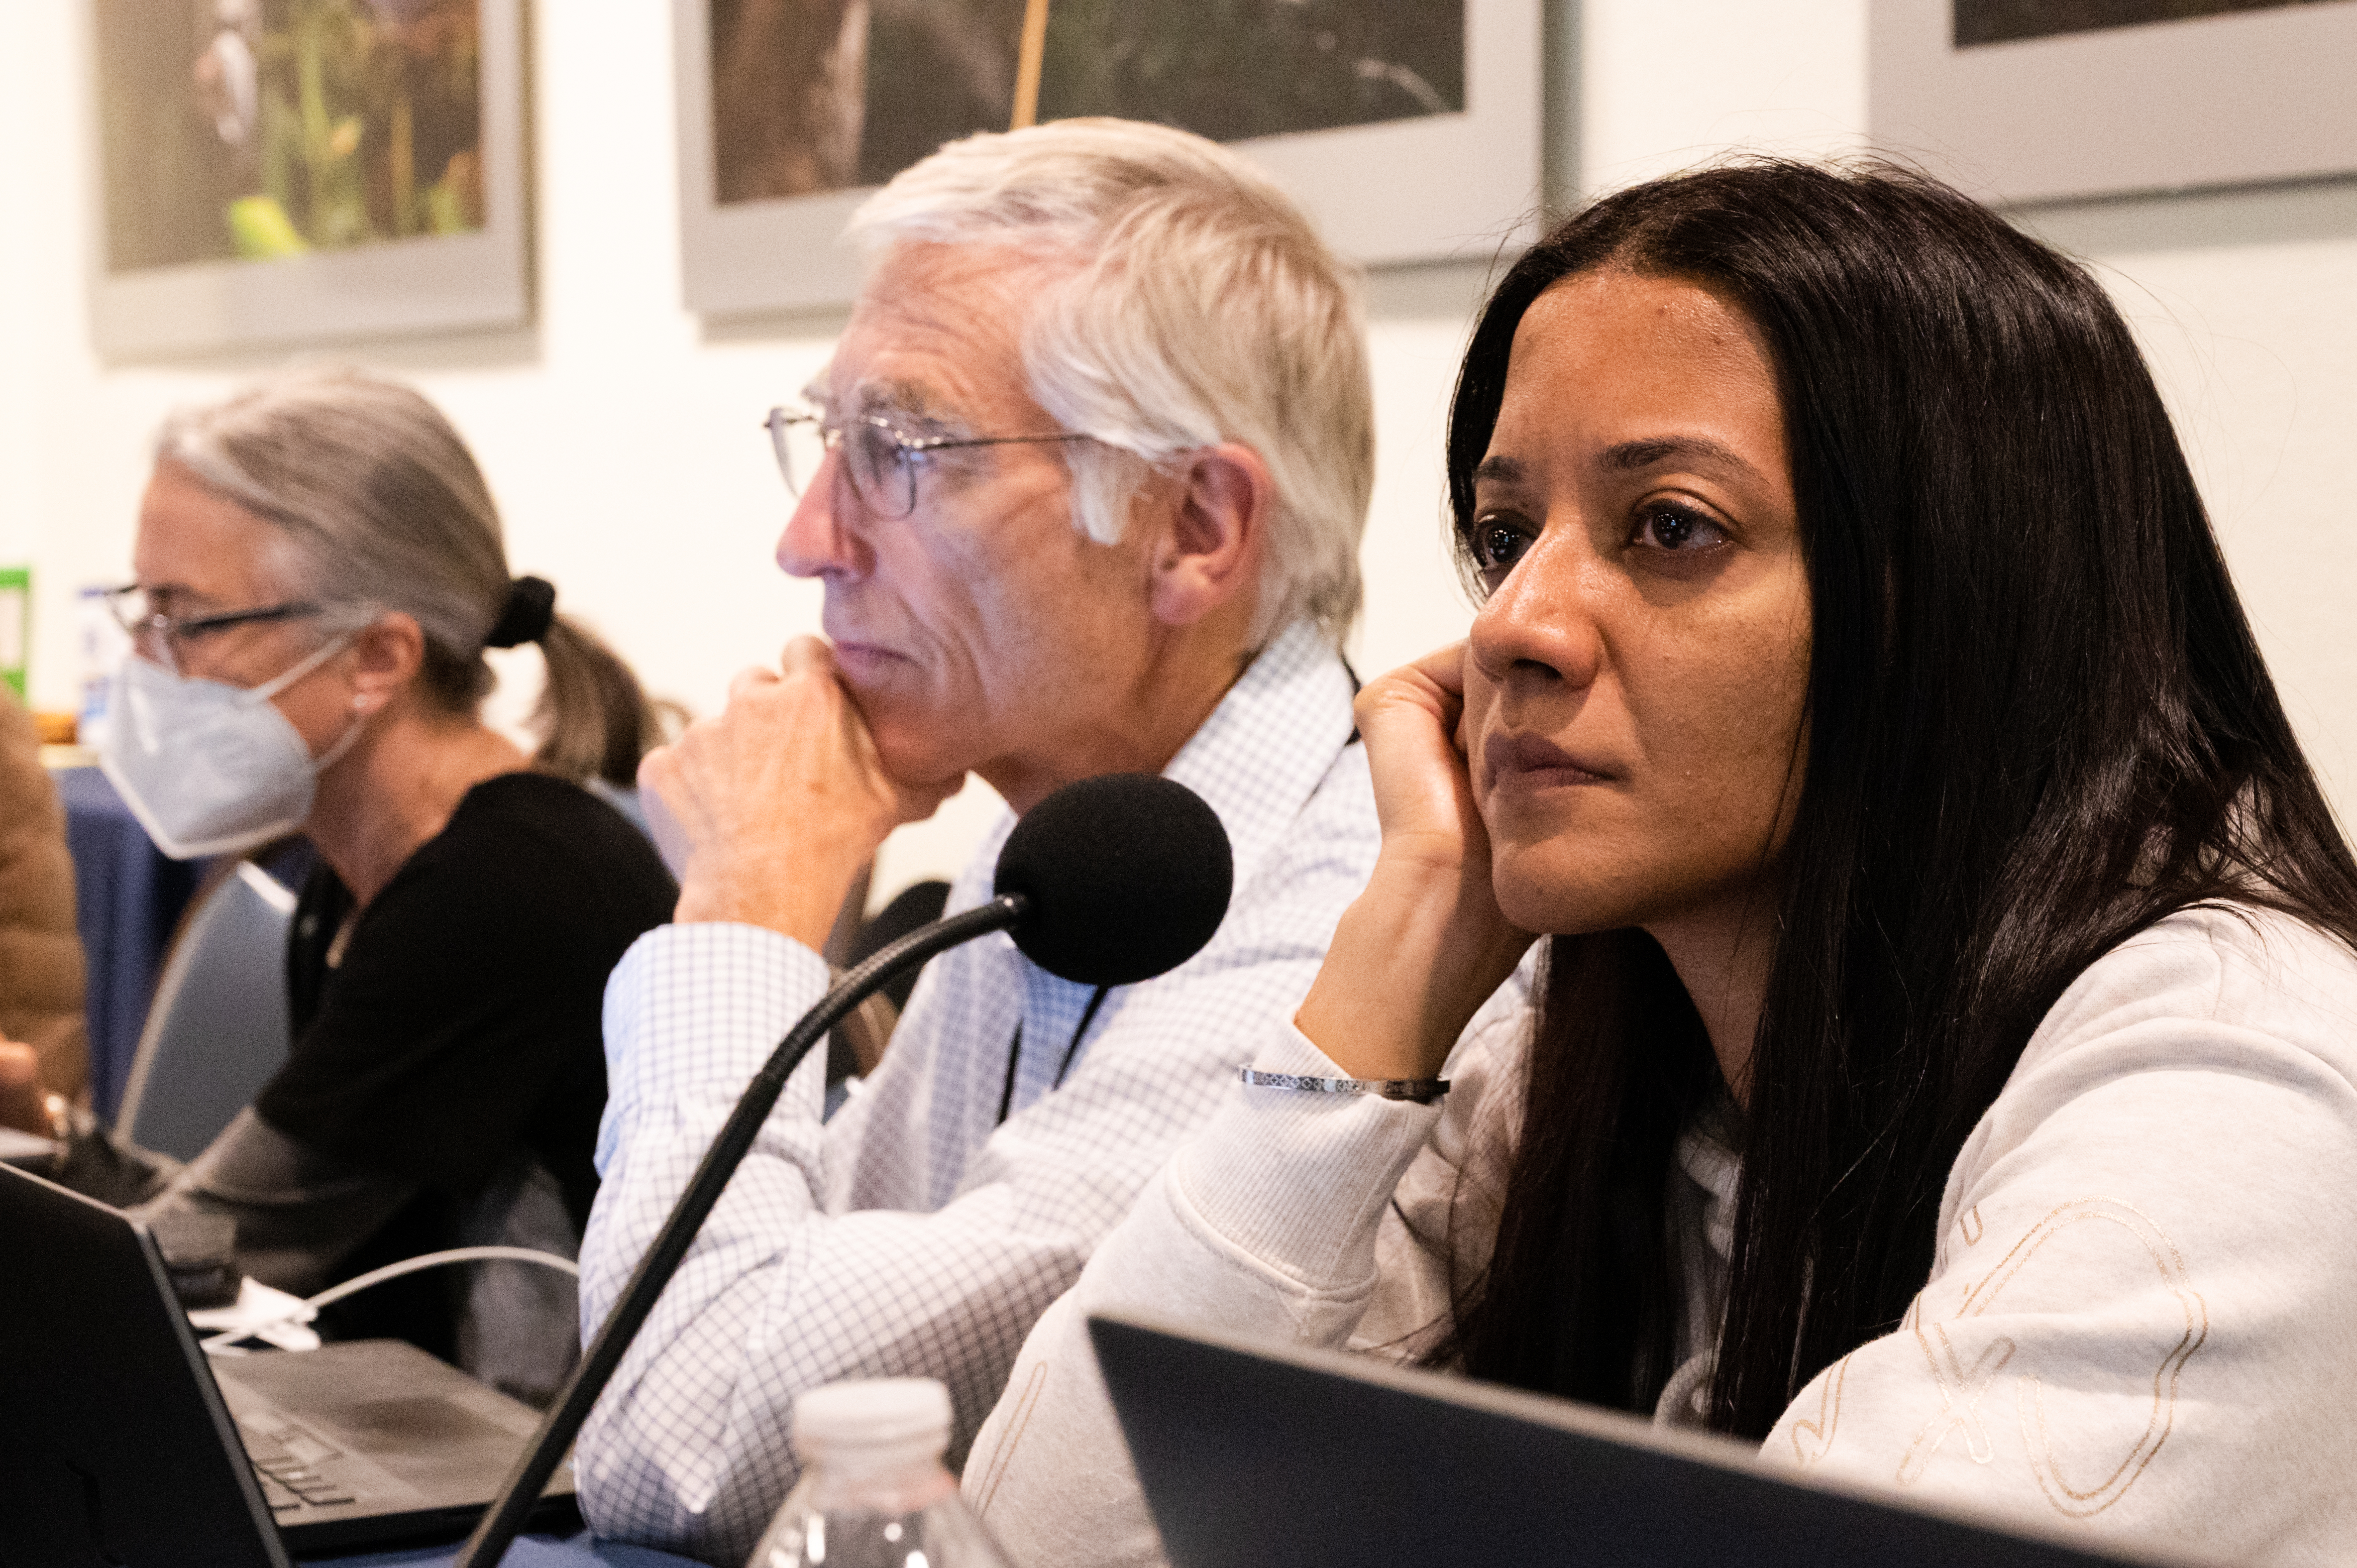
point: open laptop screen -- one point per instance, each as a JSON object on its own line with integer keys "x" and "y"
{"x": 1291, "y": 1459}
{"x": 112, "y": 1450}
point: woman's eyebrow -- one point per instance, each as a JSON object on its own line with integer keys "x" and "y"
{"x": 1499, "y": 470}
{"x": 168, "y": 596}
{"x": 1630, "y": 455}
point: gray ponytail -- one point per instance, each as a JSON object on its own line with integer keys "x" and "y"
{"x": 593, "y": 719}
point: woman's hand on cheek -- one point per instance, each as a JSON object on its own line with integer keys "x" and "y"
{"x": 1426, "y": 944}
{"x": 1409, "y": 720}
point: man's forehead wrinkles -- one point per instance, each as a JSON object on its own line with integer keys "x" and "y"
{"x": 963, "y": 298}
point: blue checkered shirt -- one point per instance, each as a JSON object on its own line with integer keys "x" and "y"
{"x": 914, "y": 1234}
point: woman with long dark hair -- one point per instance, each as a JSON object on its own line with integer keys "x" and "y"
{"x": 1939, "y": 1056}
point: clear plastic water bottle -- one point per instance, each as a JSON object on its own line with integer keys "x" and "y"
{"x": 873, "y": 1492}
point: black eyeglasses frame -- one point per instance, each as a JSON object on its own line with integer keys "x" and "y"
{"x": 170, "y": 632}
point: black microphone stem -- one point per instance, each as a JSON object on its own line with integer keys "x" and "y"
{"x": 504, "y": 1520}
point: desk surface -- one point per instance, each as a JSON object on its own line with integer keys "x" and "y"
{"x": 531, "y": 1552}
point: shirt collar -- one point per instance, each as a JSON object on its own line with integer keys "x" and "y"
{"x": 1255, "y": 760}
{"x": 1272, "y": 737}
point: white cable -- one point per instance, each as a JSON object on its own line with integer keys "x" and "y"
{"x": 359, "y": 1282}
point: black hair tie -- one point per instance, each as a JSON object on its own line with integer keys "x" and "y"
{"x": 526, "y": 617}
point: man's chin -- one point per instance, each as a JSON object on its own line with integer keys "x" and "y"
{"x": 913, "y": 764}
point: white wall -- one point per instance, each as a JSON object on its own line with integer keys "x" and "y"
{"x": 620, "y": 432}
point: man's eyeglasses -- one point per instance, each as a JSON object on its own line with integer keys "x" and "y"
{"x": 881, "y": 457}
{"x": 160, "y": 638}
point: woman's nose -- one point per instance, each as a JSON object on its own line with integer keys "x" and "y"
{"x": 1540, "y": 625}
{"x": 816, "y": 544}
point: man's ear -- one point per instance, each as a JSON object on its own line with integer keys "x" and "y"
{"x": 1216, "y": 536}
{"x": 386, "y": 657}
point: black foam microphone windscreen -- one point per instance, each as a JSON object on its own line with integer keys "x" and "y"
{"x": 1127, "y": 875}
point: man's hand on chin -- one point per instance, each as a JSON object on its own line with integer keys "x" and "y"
{"x": 768, "y": 812}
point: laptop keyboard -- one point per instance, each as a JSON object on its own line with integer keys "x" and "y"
{"x": 295, "y": 1468}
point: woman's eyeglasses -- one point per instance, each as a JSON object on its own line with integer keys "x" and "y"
{"x": 161, "y": 638}
{"x": 880, "y": 456}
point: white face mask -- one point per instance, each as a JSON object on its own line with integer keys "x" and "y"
{"x": 210, "y": 768}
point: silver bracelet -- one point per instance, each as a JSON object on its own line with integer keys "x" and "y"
{"x": 1423, "y": 1090}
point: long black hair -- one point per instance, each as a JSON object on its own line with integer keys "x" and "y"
{"x": 2037, "y": 722}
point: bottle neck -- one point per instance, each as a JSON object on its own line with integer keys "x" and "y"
{"x": 899, "y": 1477}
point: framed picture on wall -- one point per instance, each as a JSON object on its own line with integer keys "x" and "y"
{"x": 279, "y": 171}
{"x": 2027, "y": 101}
{"x": 1410, "y": 130}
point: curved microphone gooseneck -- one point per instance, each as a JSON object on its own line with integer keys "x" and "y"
{"x": 1107, "y": 882}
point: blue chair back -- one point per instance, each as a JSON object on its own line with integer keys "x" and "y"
{"x": 218, "y": 1027}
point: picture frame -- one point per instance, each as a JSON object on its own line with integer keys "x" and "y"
{"x": 460, "y": 260}
{"x": 1443, "y": 186}
{"x": 2021, "y": 101}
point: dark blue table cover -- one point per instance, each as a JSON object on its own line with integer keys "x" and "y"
{"x": 531, "y": 1552}
{"x": 128, "y": 897}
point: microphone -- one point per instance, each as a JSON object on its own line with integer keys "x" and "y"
{"x": 1107, "y": 882}
{"x": 1128, "y": 876}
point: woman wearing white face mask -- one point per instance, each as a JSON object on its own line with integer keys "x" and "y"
{"x": 319, "y": 570}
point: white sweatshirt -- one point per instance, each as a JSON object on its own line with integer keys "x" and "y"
{"x": 2141, "y": 1320}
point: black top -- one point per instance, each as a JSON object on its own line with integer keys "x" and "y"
{"x": 462, "y": 1025}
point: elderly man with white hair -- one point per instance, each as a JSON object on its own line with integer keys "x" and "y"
{"x": 1091, "y": 464}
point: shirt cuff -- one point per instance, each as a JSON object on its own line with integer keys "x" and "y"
{"x": 1299, "y": 1181}
{"x": 702, "y": 1006}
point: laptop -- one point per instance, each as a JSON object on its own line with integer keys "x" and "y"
{"x": 1294, "y": 1458}
{"x": 123, "y": 1444}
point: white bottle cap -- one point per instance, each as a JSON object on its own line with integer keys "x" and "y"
{"x": 902, "y": 1413}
